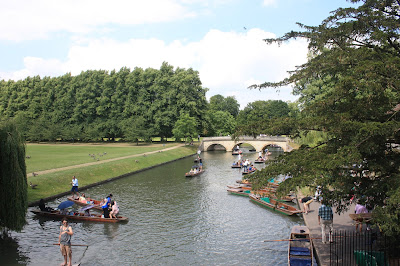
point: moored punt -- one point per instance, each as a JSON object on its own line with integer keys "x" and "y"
{"x": 80, "y": 217}
{"x": 300, "y": 250}
{"x": 275, "y": 205}
{"x": 243, "y": 186}
{"x": 239, "y": 191}
{"x": 89, "y": 201}
{"x": 189, "y": 174}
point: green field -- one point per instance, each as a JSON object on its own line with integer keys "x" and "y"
{"x": 58, "y": 182}
{"x": 49, "y": 156}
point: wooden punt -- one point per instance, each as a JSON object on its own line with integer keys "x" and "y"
{"x": 89, "y": 201}
{"x": 275, "y": 205}
{"x": 239, "y": 191}
{"x": 236, "y": 152}
{"x": 300, "y": 250}
{"x": 188, "y": 174}
{"x": 259, "y": 160}
{"x": 249, "y": 171}
{"x": 80, "y": 217}
{"x": 243, "y": 186}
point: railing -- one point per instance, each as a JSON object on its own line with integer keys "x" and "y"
{"x": 248, "y": 138}
{"x": 367, "y": 248}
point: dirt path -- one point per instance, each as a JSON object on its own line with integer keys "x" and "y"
{"x": 99, "y": 162}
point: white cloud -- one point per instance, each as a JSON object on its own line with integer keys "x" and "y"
{"x": 270, "y": 3}
{"x": 28, "y": 20}
{"x": 228, "y": 62}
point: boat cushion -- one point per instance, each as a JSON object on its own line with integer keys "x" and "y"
{"x": 300, "y": 251}
{"x": 266, "y": 199}
{"x": 300, "y": 262}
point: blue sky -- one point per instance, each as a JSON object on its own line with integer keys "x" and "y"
{"x": 222, "y": 39}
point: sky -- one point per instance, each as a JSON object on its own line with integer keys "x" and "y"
{"x": 222, "y": 39}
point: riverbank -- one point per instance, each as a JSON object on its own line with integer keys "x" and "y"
{"x": 53, "y": 184}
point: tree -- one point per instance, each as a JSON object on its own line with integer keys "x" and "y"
{"x": 349, "y": 89}
{"x": 185, "y": 127}
{"x": 222, "y": 123}
{"x": 13, "y": 182}
{"x": 228, "y": 104}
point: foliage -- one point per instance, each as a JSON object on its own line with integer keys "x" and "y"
{"x": 263, "y": 117}
{"x": 13, "y": 183}
{"x": 221, "y": 123}
{"x": 227, "y": 104}
{"x": 98, "y": 104}
{"x": 185, "y": 127}
{"x": 349, "y": 90}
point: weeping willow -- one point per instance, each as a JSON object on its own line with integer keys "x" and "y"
{"x": 13, "y": 182}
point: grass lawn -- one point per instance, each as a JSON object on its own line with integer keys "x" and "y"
{"x": 50, "y": 156}
{"x": 59, "y": 182}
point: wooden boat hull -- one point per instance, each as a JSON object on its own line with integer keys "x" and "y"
{"x": 239, "y": 192}
{"x": 196, "y": 174}
{"x": 300, "y": 250}
{"x": 259, "y": 161}
{"x": 95, "y": 202}
{"x": 80, "y": 217}
{"x": 275, "y": 205}
{"x": 248, "y": 172}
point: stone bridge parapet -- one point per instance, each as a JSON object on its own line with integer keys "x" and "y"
{"x": 259, "y": 142}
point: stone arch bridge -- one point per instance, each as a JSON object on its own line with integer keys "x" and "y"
{"x": 259, "y": 143}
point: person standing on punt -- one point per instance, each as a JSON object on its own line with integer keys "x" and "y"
{"x": 64, "y": 239}
{"x": 74, "y": 188}
{"x": 326, "y": 214}
{"x": 105, "y": 205}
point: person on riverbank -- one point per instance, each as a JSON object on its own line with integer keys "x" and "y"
{"x": 64, "y": 239}
{"x": 360, "y": 209}
{"x": 306, "y": 203}
{"x": 74, "y": 189}
{"x": 326, "y": 214}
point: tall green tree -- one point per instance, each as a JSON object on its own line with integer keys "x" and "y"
{"x": 227, "y": 104}
{"x": 185, "y": 127}
{"x": 13, "y": 182}
{"x": 349, "y": 89}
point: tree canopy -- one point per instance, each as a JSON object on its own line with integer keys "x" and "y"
{"x": 13, "y": 182}
{"x": 348, "y": 89}
{"x": 98, "y": 104}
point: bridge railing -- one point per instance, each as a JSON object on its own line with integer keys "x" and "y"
{"x": 247, "y": 138}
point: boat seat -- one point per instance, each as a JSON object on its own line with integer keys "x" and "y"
{"x": 300, "y": 251}
{"x": 266, "y": 200}
{"x": 300, "y": 262}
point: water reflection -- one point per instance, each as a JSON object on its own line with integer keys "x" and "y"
{"x": 173, "y": 220}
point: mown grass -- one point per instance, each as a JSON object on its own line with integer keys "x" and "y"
{"x": 59, "y": 182}
{"x": 49, "y": 156}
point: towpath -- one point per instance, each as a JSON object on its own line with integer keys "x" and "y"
{"x": 340, "y": 222}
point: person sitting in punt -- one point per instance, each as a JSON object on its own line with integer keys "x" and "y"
{"x": 43, "y": 207}
{"x": 82, "y": 198}
{"x": 114, "y": 209}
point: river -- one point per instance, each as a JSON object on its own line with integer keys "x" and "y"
{"x": 173, "y": 221}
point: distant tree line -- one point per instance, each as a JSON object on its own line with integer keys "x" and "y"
{"x": 132, "y": 105}
{"x": 98, "y": 104}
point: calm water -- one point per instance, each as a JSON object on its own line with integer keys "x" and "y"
{"x": 173, "y": 221}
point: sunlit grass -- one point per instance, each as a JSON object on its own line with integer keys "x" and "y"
{"x": 49, "y": 156}
{"x": 59, "y": 182}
